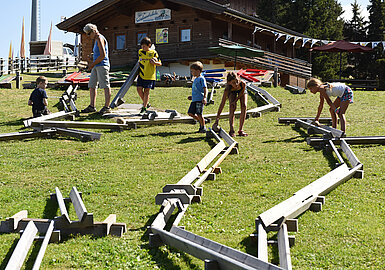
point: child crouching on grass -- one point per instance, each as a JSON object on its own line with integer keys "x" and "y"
{"x": 198, "y": 97}
{"x": 343, "y": 94}
{"x": 38, "y": 98}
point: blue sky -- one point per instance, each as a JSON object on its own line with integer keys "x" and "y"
{"x": 52, "y": 10}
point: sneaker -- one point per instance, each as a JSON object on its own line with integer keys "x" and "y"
{"x": 148, "y": 105}
{"x": 105, "y": 110}
{"x": 143, "y": 110}
{"x": 89, "y": 109}
{"x": 202, "y": 130}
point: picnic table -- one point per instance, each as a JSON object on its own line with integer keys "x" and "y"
{"x": 360, "y": 84}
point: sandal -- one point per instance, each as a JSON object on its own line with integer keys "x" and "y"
{"x": 232, "y": 134}
{"x": 242, "y": 133}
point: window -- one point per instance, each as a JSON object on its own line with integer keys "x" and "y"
{"x": 120, "y": 42}
{"x": 185, "y": 35}
{"x": 141, "y": 35}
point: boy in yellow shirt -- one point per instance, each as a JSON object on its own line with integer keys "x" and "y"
{"x": 148, "y": 60}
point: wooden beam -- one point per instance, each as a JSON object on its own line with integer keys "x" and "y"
{"x": 336, "y": 151}
{"x": 349, "y": 153}
{"x": 284, "y": 248}
{"x": 211, "y": 156}
{"x": 86, "y": 125}
{"x": 52, "y": 116}
{"x": 62, "y": 207}
{"x": 40, "y": 255}
{"x": 126, "y": 85}
{"x": 21, "y": 250}
{"x": 262, "y": 253}
{"x": 80, "y": 208}
{"x": 292, "y": 120}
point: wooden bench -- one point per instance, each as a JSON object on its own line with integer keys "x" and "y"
{"x": 360, "y": 84}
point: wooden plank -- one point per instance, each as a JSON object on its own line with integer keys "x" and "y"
{"x": 350, "y": 140}
{"x": 312, "y": 129}
{"x": 127, "y": 84}
{"x": 203, "y": 249}
{"x": 60, "y": 202}
{"x": 211, "y": 156}
{"x": 21, "y": 250}
{"x": 336, "y": 151}
{"x": 27, "y": 134}
{"x": 190, "y": 176}
{"x": 164, "y": 214}
{"x": 292, "y": 120}
{"x": 302, "y": 199}
{"x": 264, "y": 93}
{"x": 349, "y": 153}
{"x": 86, "y": 125}
{"x": 80, "y": 208}
{"x": 262, "y": 242}
{"x": 284, "y": 248}
{"x": 225, "y": 136}
{"x": 52, "y": 116}
{"x": 80, "y": 134}
{"x": 40, "y": 255}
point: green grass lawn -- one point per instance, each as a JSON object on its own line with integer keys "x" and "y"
{"x": 123, "y": 172}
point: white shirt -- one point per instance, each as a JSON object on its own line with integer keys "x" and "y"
{"x": 335, "y": 89}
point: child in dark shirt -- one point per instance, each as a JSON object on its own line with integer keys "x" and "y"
{"x": 38, "y": 98}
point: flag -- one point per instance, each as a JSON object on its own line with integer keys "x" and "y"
{"x": 48, "y": 45}
{"x": 22, "y": 46}
{"x": 10, "y": 55}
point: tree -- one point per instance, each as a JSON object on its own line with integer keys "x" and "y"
{"x": 356, "y": 28}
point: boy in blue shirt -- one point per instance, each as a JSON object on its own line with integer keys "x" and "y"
{"x": 198, "y": 97}
{"x": 38, "y": 98}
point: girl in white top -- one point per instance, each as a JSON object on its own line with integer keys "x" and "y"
{"x": 344, "y": 97}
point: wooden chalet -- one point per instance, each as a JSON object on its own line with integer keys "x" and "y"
{"x": 183, "y": 30}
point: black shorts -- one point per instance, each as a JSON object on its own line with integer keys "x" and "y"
{"x": 38, "y": 113}
{"x": 145, "y": 83}
{"x": 196, "y": 107}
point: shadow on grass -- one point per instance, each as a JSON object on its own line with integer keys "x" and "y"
{"x": 250, "y": 245}
{"x": 162, "y": 134}
{"x": 18, "y": 122}
{"x": 9, "y": 254}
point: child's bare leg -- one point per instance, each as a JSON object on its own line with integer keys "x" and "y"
{"x": 93, "y": 95}
{"x": 333, "y": 113}
{"x": 344, "y": 106}
{"x": 139, "y": 89}
{"x": 201, "y": 120}
{"x": 243, "y": 100}
{"x": 194, "y": 116}
{"x": 107, "y": 96}
{"x": 146, "y": 96}
{"x": 233, "y": 107}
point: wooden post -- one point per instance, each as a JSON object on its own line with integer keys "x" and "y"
{"x": 1, "y": 66}
{"x": 275, "y": 77}
{"x": 230, "y": 31}
{"x": 10, "y": 67}
{"x": 18, "y": 79}
{"x": 28, "y": 64}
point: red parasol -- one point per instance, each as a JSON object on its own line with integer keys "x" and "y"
{"x": 342, "y": 46}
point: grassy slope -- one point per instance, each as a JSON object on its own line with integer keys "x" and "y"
{"x": 124, "y": 171}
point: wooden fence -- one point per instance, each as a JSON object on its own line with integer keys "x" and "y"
{"x": 22, "y": 65}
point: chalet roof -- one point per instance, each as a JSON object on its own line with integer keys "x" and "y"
{"x": 76, "y": 22}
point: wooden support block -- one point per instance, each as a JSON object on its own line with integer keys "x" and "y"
{"x": 217, "y": 170}
{"x": 359, "y": 174}
{"x": 189, "y": 189}
{"x": 211, "y": 265}
{"x": 275, "y": 242}
{"x": 118, "y": 229}
{"x": 109, "y": 221}
{"x": 154, "y": 240}
{"x": 234, "y": 151}
{"x": 256, "y": 114}
{"x": 211, "y": 176}
{"x": 11, "y": 223}
{"x": 199, "y": 191}
{"x": 22, "y": 247}
{"x": 292, "y": 225}
{"x": 196, "y": 199}
{"x": 320, "y": 199}
{"x": 316, "y": 207}
{"x": 182, "y": 196}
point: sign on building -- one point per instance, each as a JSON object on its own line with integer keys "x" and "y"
{"x": 154, "y": 15}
